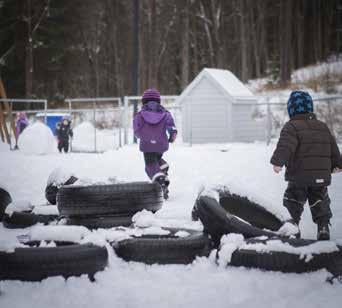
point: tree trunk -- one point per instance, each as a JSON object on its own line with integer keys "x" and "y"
{"x": 185, "y": 47}
{"x": 29, "y": 52}
{"x": 285, "y": 42}
{"x": 243, "y": 41}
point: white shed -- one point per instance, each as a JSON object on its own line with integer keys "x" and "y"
{"x": 217, "y": 108}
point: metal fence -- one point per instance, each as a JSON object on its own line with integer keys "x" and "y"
{"x": 97, "y": 123}
{"x": 273, "y": 109}
{"x": 102, "y": 124}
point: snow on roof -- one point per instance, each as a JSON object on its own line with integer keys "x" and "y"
{"x": 229, "y": 82}
{"x": 231, "y": 85}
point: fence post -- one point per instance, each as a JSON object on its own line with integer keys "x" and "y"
{"x": 125, "y": 114}
{"x": 120, "y": 121}
{"x": 94, "y": 116}
{"x": 268, "y": 122}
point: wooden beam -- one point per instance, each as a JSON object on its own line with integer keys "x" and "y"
{"x": 8, "y": 109}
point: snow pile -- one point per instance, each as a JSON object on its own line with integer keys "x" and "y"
{"x": 18, "y": 206}
{"x": 84, "y": 138}
{"x": 288, "y": 229}
{"x": 37, "y": 139}
{"x": 59, "y": 176}
{"x": 73, "y": 234}
{"x": 9, "y": 245}
{"x": 229, "y": 243}
{"x": 146, "y": 219}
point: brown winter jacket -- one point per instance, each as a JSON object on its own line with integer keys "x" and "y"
{"x": 308, "y": 150}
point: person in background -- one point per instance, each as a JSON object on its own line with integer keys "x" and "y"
{"x": 155, "y": 128}
{"x": 310, "y": 154}
{"x": 20, "y": 124}
{"x": 63, "y": 132}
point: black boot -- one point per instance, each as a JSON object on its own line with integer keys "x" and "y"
{"x": 323, "y": 232}
{"x": 164, "y": 185}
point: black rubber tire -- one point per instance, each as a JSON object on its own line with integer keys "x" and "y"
{"x": 51, "y": 190}
{"x": 100, "y": 222}
{"x": 5, "y": 199}
{"x": 249, "y": 211}
{"x": 115, "y": 199}
{"x": 217, "y": 221}
{"x": 283, "y": 261}
{"x": 26, "y": 219}
{"x": 165, "y": 249}
{"x": 194, "y": 212}
{"x": 37, "y": 263}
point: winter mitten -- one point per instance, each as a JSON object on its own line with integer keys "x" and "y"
{"x": 173, "y": 137}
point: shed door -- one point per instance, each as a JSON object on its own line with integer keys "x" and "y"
{"x": 209, "y": 120}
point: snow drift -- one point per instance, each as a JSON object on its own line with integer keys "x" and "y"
{"x": 37, "y": 139}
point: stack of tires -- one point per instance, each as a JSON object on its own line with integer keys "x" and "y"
{"x": 264, "y": 247}
{"x": 107, "y": 206}
{"x": 37, "y": 260}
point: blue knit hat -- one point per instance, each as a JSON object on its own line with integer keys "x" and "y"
{"x": 299, "y": 102}
{"x": 151, "y": 95}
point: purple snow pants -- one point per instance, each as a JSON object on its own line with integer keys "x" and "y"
{"x": 156, "y": 167}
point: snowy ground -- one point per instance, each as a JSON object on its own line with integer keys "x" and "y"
{"x": 244, "y": 167}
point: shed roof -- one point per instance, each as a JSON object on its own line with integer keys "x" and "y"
{"x": 225, "y": 79}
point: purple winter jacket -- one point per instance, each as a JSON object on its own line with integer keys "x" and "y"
{"x": 21, "y": 123}
{"x": 150, "y": 126}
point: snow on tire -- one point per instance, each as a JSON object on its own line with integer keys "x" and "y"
{"x": 99, "y": 200}
{"x": 287, "y": 255}
{"x": 26, "y": 219}
{"x": 37, "y": 263}
{"x": 100, "y": 222}
{"x": 217, "y": 221}
{"x": 249, "y": 211}
{"x": 165, "y": 249}
{"x": 5, "y": 199}
{"x": 52, "y": 189}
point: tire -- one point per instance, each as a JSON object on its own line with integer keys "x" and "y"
{"x": 37, "y": 263}
{"x": 100, "y": 222}
{"x": 165, "y": 249}
{"x": 250, "y": 211}
{"x": 102, "y": 200}
{"x": 26, "y": 219}
{"x": 217, "y": 221}
{"x": 5, "y": 199}
{"x": 51, "y": 190}
{"x": 194, "y": 212}
{"x": 283, "y": 261}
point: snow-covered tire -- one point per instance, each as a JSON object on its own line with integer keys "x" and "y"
{"x": 164, "y": 249}
{"x": 100, "y": 222}
{"x": 51, "y": 190}
{"x": 194, "y": 212}
{"x": 37, "y": 263}
{"x": 26, "y": 219}
{"x": 249, "y": 211}
{"x": 5, "y": 199}
{"x": 217, "y": 221}
{"x": 283, "y": 261}
{"x": 115, "y": 199}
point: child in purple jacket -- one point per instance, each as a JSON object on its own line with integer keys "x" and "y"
{"x": 155, "y": 128}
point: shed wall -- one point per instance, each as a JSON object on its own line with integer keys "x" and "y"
{"x": 206, "y": 114}
{"x": 245, "y": 127}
